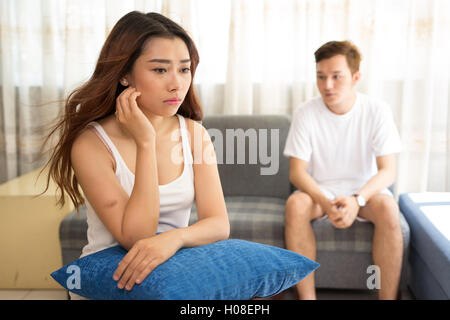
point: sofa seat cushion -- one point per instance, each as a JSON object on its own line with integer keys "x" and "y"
{"x": 357, "y": 238}
{"x": 73, "y": 235}
{"x": 348, "y": 252}
{"x": 258, "y": 219}
{"x": 261, "y": 219}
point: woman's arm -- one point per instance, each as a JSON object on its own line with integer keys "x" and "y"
{"x": 128, "y": 218}
{"x": 141, "y": 216}
{"x": 213, "y": 224}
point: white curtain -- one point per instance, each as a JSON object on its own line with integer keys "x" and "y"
{"x": 256, "y": 57}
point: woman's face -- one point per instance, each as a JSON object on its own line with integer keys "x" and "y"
{"x": 162, "y": 74}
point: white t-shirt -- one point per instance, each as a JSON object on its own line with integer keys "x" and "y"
{"x": 341, "y": 150}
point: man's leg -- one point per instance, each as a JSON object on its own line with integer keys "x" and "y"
{"x": 387, "y": 250}
{"x": 299, "y": 235}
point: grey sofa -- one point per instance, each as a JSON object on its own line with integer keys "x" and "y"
{"x": 256, "y": 202}
{"x": 429, "y": 259}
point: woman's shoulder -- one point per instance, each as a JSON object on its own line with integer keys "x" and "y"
{"x": 85, "y": 140}
{"x": 198, "y": 134}
{"x": 195, "y": 128}
{"x": 87, "y": 137}
{"x": 85, "y": 146}
{"x": 88, "y": 145}
{"x": 193, "y": 124}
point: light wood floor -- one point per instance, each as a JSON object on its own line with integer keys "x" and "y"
{"x": 18, "y": 294}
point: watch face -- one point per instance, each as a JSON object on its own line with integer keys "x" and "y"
{"x": 361, "y": 201}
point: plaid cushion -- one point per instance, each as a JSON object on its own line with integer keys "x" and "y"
{"x": 73, "y": 230}
{"x": 258, "y": 219}
{"x": 357, "y": 238}
{"x": 261, "y": 219}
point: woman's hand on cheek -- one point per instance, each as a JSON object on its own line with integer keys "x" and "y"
{"x": 132, "y": 118}
{"x": 144, "y": 257}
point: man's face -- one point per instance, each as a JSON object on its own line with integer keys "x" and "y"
{"x": 335, "y": 82}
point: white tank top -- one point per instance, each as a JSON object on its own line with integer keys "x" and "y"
{"x": 176, "y": 197}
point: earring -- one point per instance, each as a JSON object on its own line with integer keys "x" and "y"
{"x": 124, "y": 82}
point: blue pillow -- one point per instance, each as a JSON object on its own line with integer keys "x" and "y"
{"x": 224, "y": 270}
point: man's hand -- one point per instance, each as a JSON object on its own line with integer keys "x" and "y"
{"x": 331, "y": 210}
{"x": 348, "y": 210}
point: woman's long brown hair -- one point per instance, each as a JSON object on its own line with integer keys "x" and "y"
{"x": 96, "y": 98}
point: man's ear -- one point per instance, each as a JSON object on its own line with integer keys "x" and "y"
{"x": 356, "y": 76}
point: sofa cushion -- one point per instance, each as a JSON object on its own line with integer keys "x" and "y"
{"x": 259, "y": 219}
{"x": 261, "y": 173}
{"x": 357, "y": 238}
{"x": 348, "y": 252}
{"x": 73, "y": 234}
{"x": 225, "y": 270}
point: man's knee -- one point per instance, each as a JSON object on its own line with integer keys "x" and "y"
{"x": 385, "y": 211}
{"x": 298, "y": 206}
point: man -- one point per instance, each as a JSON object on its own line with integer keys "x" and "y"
{"x": 342, "y": 149}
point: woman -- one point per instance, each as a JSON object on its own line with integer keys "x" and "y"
{"x": 119, "y": 135}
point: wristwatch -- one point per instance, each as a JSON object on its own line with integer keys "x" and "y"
{"x": 360, "y": 200}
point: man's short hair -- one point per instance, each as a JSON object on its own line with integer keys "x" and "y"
{"x": 334, "y": 48}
